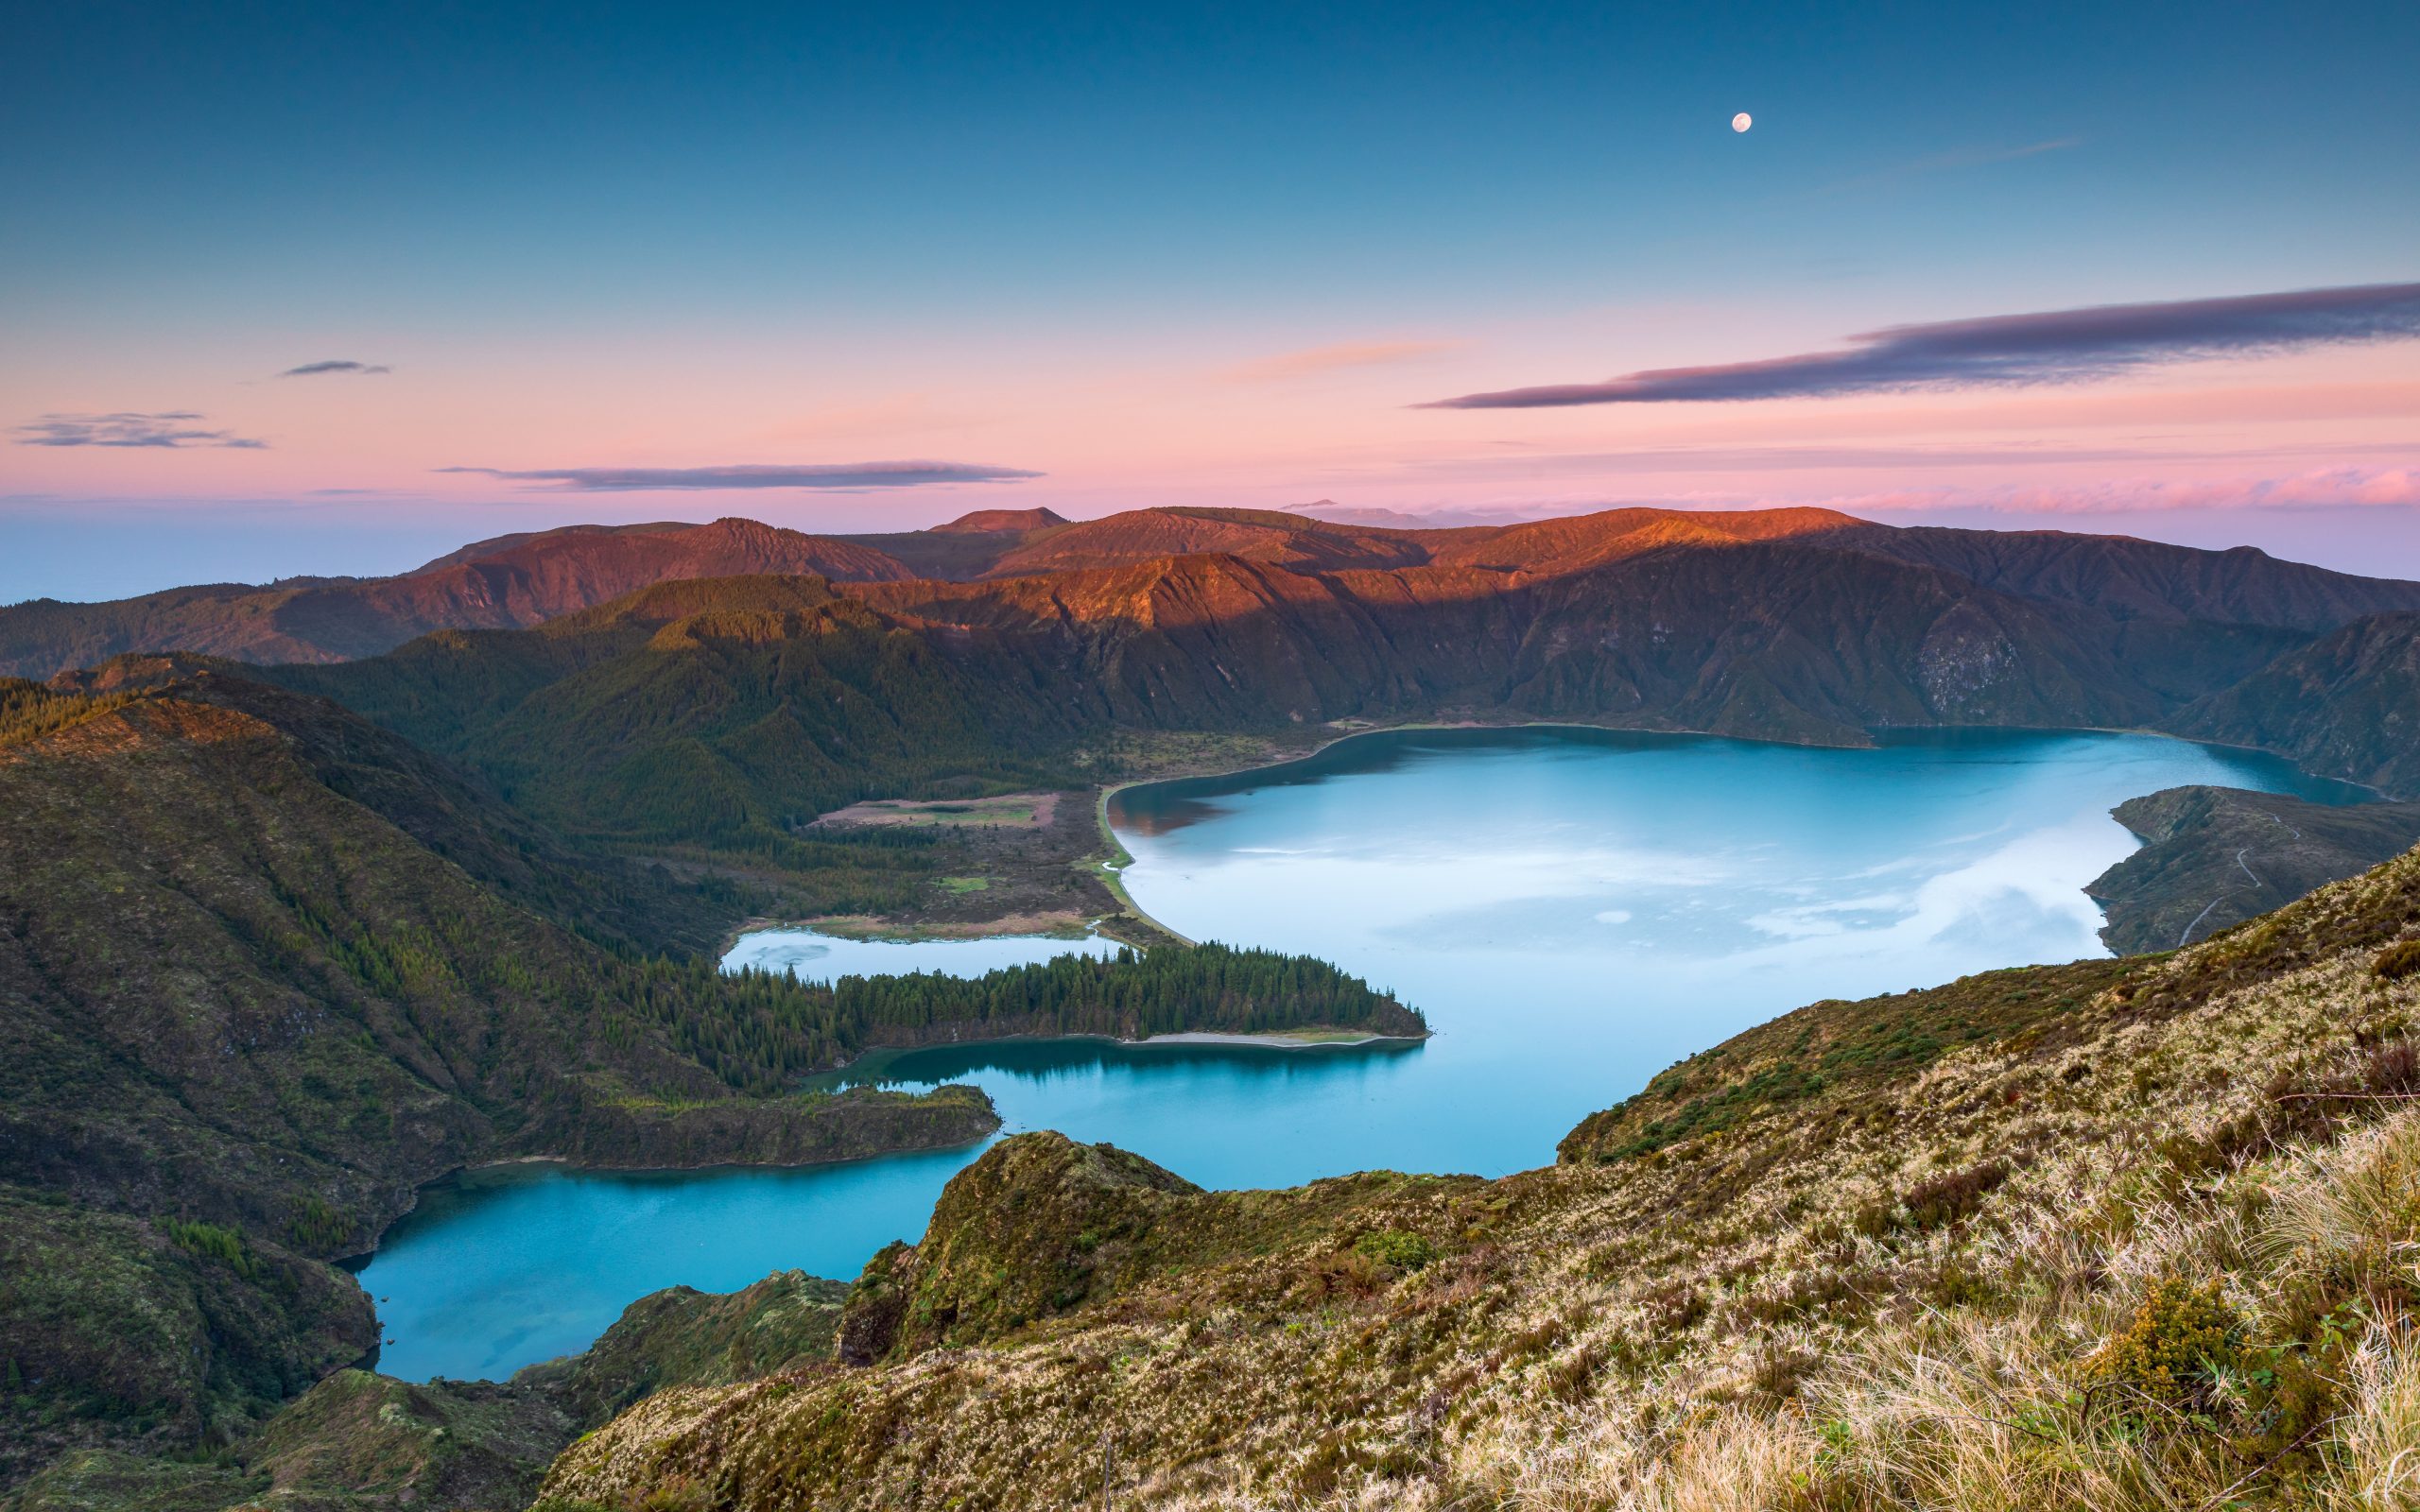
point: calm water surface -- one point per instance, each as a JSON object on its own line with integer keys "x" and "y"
{"x": 814, "y": 958}
{"x": 1573, "y": 909}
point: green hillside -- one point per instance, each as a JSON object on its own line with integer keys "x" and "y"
{"x": 265, "y": 970}
{"x": 2346, "y": 705}
{"x": 714, "y": 717}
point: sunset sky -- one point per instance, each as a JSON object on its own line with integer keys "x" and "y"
{"x": 334, "y": 288}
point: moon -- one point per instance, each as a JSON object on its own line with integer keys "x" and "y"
{"x": 1741, "y": 122}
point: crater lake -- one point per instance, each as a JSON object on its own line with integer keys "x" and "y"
{"x": 1573, "y": 909}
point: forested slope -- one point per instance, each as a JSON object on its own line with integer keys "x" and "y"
{"x": 265, "y": 970}
{"x": 719, "y": 715}
{"x": 2347, "y": 705}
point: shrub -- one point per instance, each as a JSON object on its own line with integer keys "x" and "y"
{"x": 2171, "y": 1351}
{"x": 211, "y": 1242}
{"x": 1948, "y": 1198}
{"x": 2398, "y": 961}
{"x": 1392, "y": 1246}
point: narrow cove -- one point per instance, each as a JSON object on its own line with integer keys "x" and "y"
{"x": 1573, "y": 909}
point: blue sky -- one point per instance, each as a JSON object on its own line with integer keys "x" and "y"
{"x": 1046, "y": 239}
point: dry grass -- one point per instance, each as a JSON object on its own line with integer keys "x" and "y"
{"x": 2374, "y": 1463}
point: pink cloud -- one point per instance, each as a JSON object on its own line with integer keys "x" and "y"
{"x": 2322, "y": 488}
{"x": 1330, "y": 358}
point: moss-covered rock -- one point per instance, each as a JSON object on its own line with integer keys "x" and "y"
{"x": 1032, "y": 1229}
{"x": 683, "y": 1337}
{"x": 374, "y": 1440}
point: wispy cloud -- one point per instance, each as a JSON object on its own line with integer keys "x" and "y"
{"x": 2321, "y": 488}
{"x": 1332, "y": 358}
{"x": 312, "y": 370}
{"x": 1784, "y": 458}
{"x": 824, "y": 475}
{"x": 169, "y": 429}
{"x": 2049, "y": 347}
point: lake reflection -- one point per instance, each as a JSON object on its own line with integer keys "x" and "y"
{"x": 815, "y": 956}
{"x": 1573, "y": 909}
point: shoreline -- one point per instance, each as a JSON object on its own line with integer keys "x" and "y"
{"x": 1309, "y": 1038}
{"x": 1111, "y": 867}
{"x": 866, "y": 929}
{"x": 1312, "y": 1037}
{"x": 1279, "y": 1040}
{"x": 1111, "y": 790}
{"x": 1332, "y": 740}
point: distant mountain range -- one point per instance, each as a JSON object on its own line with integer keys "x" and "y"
{"x": 680, "y": 681}
{"x": 521, "y": 580}
{"x": 499, "y": 584}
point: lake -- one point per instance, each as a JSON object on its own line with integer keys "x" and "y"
{"x": 812, "y": 957}
{"x": 1573, "y": 909}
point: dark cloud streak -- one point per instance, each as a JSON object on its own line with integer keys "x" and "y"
{"x": 170, "y": 429}
{"x": 2051, "y": 347}
{"x": 828, "y": 476}
{"x": 312, "y": 370}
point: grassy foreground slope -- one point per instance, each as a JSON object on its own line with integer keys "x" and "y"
{"x": 2131, "y": 1234}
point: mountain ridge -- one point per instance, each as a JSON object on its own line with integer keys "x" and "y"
{"x": 508, "y": 582}
{"x": 516, "y": 581}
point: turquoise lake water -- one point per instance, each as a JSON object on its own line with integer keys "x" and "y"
{"x": 1574, "y": 910}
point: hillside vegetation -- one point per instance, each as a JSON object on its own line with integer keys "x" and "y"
{"x": 718, "y": 716}
{"x": 2214, "y": 856}
{"x": 2347, "y": 705}
{"x": 2124, "y": 1234}
{"x": 265, "y": 970}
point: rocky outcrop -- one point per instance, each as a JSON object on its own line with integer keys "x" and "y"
{"x": 1039, "y": 1225}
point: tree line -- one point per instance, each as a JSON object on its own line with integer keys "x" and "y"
{"x": 760, "y": 1030}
